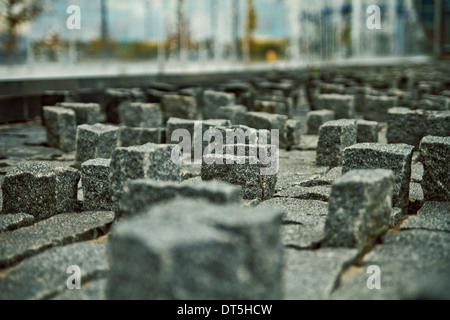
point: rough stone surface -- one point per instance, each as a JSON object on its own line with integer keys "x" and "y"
{"x": 435, "y": 153}
{"x": 271, "y": 107}
{"x": 305, "y": 233}
{"x": 141, "y": 115}
{"x": 261, "y": 120}
{"x": 367, "y": 131}
{"x": 321, "y": 193}
{"x": 40, "y": 189}
{"x": 342, "y": 105}
{"x": 396, "y": 157}
{"x": 147, "y": 161}
{"x": 432, "y": 216}
{"x": 360, "y": 209}
{"x": 142, "y": 193}
{"x": 233, "y": 113}
{"x": 315, "y": 119}
{"x": 11, "y": 222}
{"x": 295, "y": 209}
{"x": 113, "y": 99}
{"x": 61, "y": 128}
{"x": 405, "y": 258}
{"x": 94, "y": 290}
{"x": 96, "y": 141}
{"x": 177, "y": 123}
{"x": 313, "y": 274}
{"x": 334, "y": 136}
{"x": 95, "y": 181}
{"x": 408, "y": 126}
{"x": 85, "y": 113}
{"x": 377, "y": 107}
{"x": 56, "y": 231}
{"x": 293, "y": 132}
{"x": 179, "y": 107}
{"x": 45, "y": 275}
{"x": 212, "y": 100}
{"x": 129, "y": 137}
{"x": 203, "y": 251}
{"x": 245, "y": 172}
{"x": 441, "y": 102}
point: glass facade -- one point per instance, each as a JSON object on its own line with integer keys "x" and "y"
{"x": 150, "y": 36}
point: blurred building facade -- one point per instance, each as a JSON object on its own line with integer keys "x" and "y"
{"x": 185, "y": 32}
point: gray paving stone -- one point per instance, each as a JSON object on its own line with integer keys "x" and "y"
{"x": 359, "y": 93}
{"x": 95, "y": 181}
{"x": 275, "y": 107}
{"x": 293, "y": 132}
{"x": 377, "y": 107}
{"x": 203, "y": 251}
{"x": 367, "y": 131}
{"x": 113, "y": 99}
{"x": 334, "y": 137}
{"x": 245, "y": 172}
{"x": 408, "y": 126}
{"x": 435, "y": 158}
{"x": 61, "y": 128}
{"x": 85, "y": 113}
{"x": 322, "y": 179}
{"x": 295, "y": 209}
{"x": 94, "y": 290}
{"x": 40, "y": 189}
{"x": 95, "y": 141}
{"x": 147, "y": 161}
{"x": 433, "y": 216}
{"x": 262, "y": 120}
{"x": 396, "y": 157}
{"x": 233, "y": 113}
{"x": 143, "y": 193}
{"x": 45, "y": 275}
{"x": 138, "y": 136}
{"x": 313, "y": 274}
{"x": 426, "y": 287}
{"x": 305, "y": 233}
{"x": 360, "y": 209}
{"x": 308, "y": 143}
{"x": 141, "y": 115}
{"x": 56, "y": 231}
{"x": 11, "y": 222}
{"x": 177, "y": 123}
{"x": 441, "y": 101}
{"x": 342, "y": 105}
{"x": 321, "y": 193}
{"x": 179, "y": 107}
{"x": 438, "y": 123}
{"x": 212, "y": 100}
{"x": 315, "y": 119}
{"x": 331, "y": 88}
{"x": 405, "y": 258}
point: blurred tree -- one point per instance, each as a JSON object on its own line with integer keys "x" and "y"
{"x": 15, "y": 13}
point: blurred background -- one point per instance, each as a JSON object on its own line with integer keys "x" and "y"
{"x": 166, "y": 36}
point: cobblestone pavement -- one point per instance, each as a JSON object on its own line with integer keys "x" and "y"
{"x": 278, "y": 246}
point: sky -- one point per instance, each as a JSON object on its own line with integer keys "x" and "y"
{"x": 143, "y": 19}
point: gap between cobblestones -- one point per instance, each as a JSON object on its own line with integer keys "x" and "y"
{"x": 355, "y": 266}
